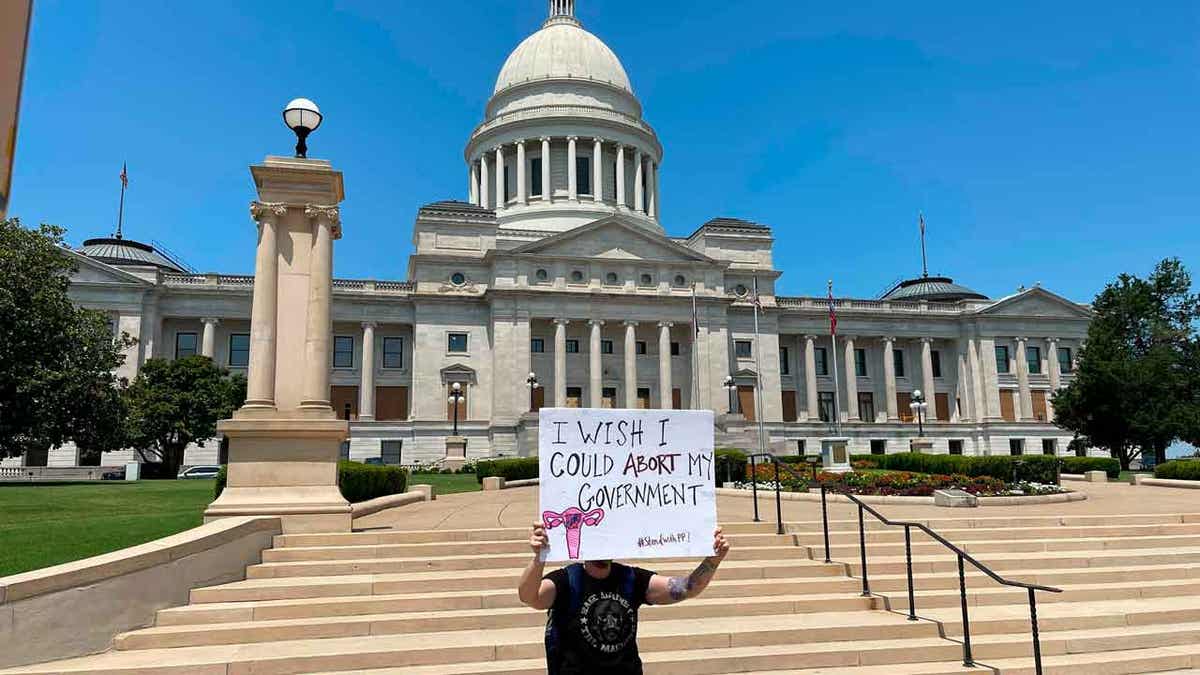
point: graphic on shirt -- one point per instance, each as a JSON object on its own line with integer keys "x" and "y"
{"x": 573, "y": 519}
{"x": 607, "y": 621}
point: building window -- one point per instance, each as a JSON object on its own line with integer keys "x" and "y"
{"x": 647, "y": 280}
{"x": 1033, "y": 359}
{"x": 577, "y": 277}
{"x": 574, "y": 397}
{"x": 535, "y": 177}
{"x": 611, "y": 278}
{"x": 343, "y": 351}
{"x": 456, "y": 343}
{"x": 825, "y": 401}
{"x": 1001, "y": 359}
{"x": 583, "y": 175}
{"x": 956, "y": 446}
{"x": 898, "y": 361}
{"x": 1049, "y": 446}
{"x": 239, "y": 350}
{"x": 458, "y": 279}
{"x": 393, "y": 352}
{"x": 608, "y": 397}
{"x": 1016, "y": 446}
{"x": 680, "y": 280}
{"x": 1064, "y": 359}
{"x": 508, "y": 192}
{"x": 785, "y": 367}
{"x": 743, "y": 349}
{"x": 606, "y": 346}
{"x": 185, "y": 345}
{"x": 537, "y": 346}
{"x": 572, "y": 346}
{"x": 674, "y": 349}
{"x": 878, "y": 446}
{"x": 800, "y": 447}
{"x": 639, "y": 347}
{"x": 542, "y": 276}
{"x": 821, "y": 361}
{"x": 866, "y": 406}
{"x": 860, "y": 362}
{"x": 936, "y": 357}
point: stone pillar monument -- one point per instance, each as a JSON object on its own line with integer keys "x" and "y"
{"x": 283, "y": 444}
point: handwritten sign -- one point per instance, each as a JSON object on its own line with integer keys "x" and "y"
{"x": 622, "y": 484}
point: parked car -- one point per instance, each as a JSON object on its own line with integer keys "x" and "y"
{"x": 376, "y": 461}
{"x": 199, "y": 472}
{"x": 119, "y": 474}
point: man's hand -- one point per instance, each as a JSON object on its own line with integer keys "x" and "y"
{"x": 670, "y": 590}
{"x": 720, "y": 544}
{"x": 533, "y": 590}
{"x": 538, "y": 540}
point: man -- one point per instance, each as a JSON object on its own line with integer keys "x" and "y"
{"x": 592, "y": 624}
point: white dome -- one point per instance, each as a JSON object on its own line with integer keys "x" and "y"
{"x": 562, "y": 49}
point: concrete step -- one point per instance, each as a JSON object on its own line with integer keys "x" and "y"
{"x": 1003, "y": 563}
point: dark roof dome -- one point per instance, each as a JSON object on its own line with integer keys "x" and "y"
{"x": 126, "y": 252}
{"x": 933, "y": 289}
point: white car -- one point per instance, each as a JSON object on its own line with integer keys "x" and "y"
{"x": 199, "y": 472}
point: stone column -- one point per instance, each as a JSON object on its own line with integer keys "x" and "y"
{"x": 572, "y": 174}
{"x": 484, "y": 182}
{"x": 964, "y": 385}
{"x": 639, "y": 192}
{"x": 366, "y": 389}
{"x": 630, "y": 364}
{"x": 989, "y": 385}
{"x": 1054, "y": 369}
{"x": 620, "y": 175}
{"x": 1026, "y": 409}
{"x": 208, "y": 342}
{"x": 927, "y": 374}
{"x": 889, "y": 379}
{"x": 595, "y": 369}
{"x": 546, "y": 196}
{"x": 664, "y": 365}
{"x": 810, "y": 378}
{"x": 473, "y": 189}
{"x": 560, "y": 362}
{"x": 652, "y": 211}
{"x": 521, "y": 191}
{"x": 260, "y": 384}
{"x": 597, "y": 170}
{"x": 501, "y": 194}
{"x": 326, "y": 228}
{"x": 851, "y": 380}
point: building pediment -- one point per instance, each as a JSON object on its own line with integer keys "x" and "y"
{"x": 614, "y": 239}
{"x": 89, "y": 271}
{"x": 1037, "y": 302}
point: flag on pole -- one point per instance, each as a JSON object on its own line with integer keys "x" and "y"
{"x": 921, "y": 216}
{"x": 124, "y": 176}
{"x": 832, "y": 311}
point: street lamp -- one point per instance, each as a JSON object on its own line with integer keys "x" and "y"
{"x": 303, "y": 117}
{"x": 456, "y": 396}
{"x": 918, "y": 407}
{"x": 532, "y": 383}
{"x": 731, "y": 387}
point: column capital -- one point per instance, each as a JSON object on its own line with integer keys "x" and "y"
{"x": 260, "y": 211}
{"x": 1052, "y": 340}
{"x": 629, "y": 323}
{"x": 810, "y": 337}
{"x": 595, "y": 322}
{"x": 665, "y": 324}
{"x": 328, "y": 213}
{"x": 544, "y": 139}
{"x": 210, "y": 320}
{"x": 562, "y": 322}
{"x": 370, "y": 324}
{"x": 927, "y": 340}
{"x": 572, "y": 138}
{"x": 597, "y": 139}
{"x": 497, "y": 148}
{"x": 887, "y": 339}
{"x": 1021, "y": 339}
{"x": 520, "y": 142}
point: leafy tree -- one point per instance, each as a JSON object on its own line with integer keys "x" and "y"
{"x": 173, "y": 403}
{"x": 1136, "y": 388}
{"x": 56, "y": 360}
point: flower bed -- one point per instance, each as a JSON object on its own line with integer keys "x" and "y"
{"x": 898, "y": 483}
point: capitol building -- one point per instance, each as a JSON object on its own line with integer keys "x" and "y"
{"x": 556, "y": 264}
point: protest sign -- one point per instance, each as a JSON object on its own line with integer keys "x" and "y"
{"x": 621, "y": 484}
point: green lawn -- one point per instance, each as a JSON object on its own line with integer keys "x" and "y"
{"x": 42, "y": 525}
{"x": 447, "y": 483}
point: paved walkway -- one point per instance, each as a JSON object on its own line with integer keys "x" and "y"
{"x": 518, "y": 508}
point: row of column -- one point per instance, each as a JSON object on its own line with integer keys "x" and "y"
{"x": 645, "y": 178}
{"x": 596, "y": 370}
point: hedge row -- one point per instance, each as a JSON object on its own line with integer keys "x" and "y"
{"x": 1179, "y": 469}
{"x": 513, "y": 468}
{"x": 730, "y": 464}
{"x": 1035, "y": 468}
{"x": 1108, "y": 465}
{"x": 357, "y": 482}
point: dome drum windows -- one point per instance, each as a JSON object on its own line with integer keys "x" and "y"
{"x": 577, "y": 277}
{"x": 542, "y": 276}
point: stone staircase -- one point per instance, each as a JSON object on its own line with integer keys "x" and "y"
{"x": 443, "y": 602}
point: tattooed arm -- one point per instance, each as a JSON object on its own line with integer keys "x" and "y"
{"x": 670, "y": 590}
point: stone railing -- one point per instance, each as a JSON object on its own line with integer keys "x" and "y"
{"x": 245, "y": 281}
{"x": 871, "y": 305}
{"x": 562, "y": 111}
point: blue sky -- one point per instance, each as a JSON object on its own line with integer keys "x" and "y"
{"x": 1045, "y": 142}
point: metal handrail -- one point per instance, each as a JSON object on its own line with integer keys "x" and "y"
{"x": 754, "y": 489}
{"x": 963, "y": 556}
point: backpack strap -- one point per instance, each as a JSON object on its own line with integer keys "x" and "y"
{"x": 627, "y": 586}
{"x": 575, "y": 588}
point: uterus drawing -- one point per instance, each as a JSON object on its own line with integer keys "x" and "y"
{"x": 573, "y": 520}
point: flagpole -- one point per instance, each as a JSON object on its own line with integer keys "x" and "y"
{"x": 758, "y": 404}
{"x": 121, "y": 206}
{"x": 837, "y": 387}
{"x": 924, "y": 260}
{"x": 695, "y": 345}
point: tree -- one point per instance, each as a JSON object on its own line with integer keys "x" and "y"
{"x": 1136, "y": 388}
{"x": 57, "y": 361}
{"x": 173, "y": 403}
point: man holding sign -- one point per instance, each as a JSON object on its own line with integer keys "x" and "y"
{"x": 618, "y": 484}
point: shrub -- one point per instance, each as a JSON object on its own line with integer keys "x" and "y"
{"x": 357, "y": 482}
{"x": 509, "y": 468}
{"x": 1108, "y": 465}
{"x": 1033, "y": 468}
{"x": 1179, "y": 469}
{"x": 730, "y": 463}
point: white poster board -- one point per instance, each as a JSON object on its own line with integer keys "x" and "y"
{"x": 626, "y": 484}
